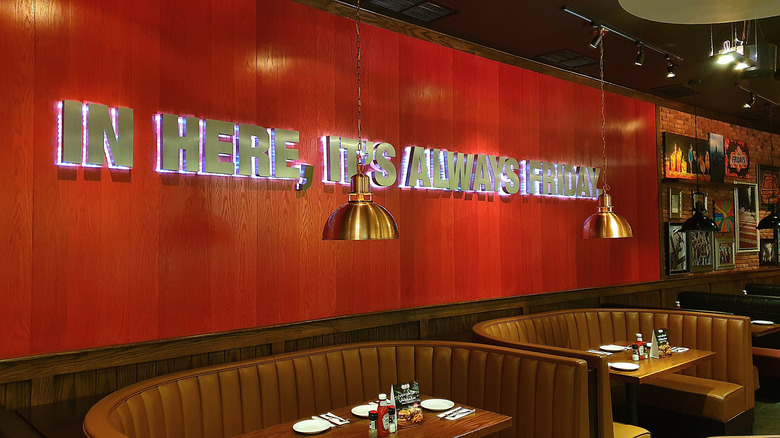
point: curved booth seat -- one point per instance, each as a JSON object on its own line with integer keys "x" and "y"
{"x": 753, "y": 306}
{"x": 545, "y": 395}
{"x": 720, "y": 389}
{"x": 762, "y": 289}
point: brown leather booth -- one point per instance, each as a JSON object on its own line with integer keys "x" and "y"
{"x": 545, "y": 395}
{"x": 721, "y": 389}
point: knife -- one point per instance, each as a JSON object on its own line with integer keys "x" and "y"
{"x": 336, "y": 417}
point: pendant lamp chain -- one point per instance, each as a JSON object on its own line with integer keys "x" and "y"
{"x": 603, "y": 115}
{"x": 360, "y": 151}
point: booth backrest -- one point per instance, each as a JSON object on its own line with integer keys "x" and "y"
{"x": 582, "y": 329}
{"x": 762, "y": 289}
{"x": 546, "y": 395}
{"x": 753, "y": 306}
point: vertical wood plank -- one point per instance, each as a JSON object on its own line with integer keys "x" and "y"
{"x": 42, "y": 391}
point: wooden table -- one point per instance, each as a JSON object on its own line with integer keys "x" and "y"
{"x": 650, "y": 369}
{"x": 762, "y": 330}
{"x": 478, "y": 424}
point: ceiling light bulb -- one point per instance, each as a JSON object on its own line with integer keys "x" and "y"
{"x": 597, "y": 39}
{"x": 640, "y": 57}
{"x": 751, "y": 102}
{"x": 726, "y": 58}
{"x": 671, "y": 70}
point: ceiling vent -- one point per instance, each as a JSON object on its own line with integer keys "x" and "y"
{"x": 424, "y": 11}
{"x": 567, "y": 59}
{"x": 674, "y": 91}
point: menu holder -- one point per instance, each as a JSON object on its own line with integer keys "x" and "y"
{"x": 406, "y": 398}
{"x": 660, "y": 346}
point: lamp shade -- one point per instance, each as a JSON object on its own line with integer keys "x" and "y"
{"x": 360, "y": 218}
{"x": 770, "y": 222}
{"x": 606, "y": 224}
{"x": 699, "y": 222}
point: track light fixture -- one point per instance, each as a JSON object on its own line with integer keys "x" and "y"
{"x": 597, "y": 39}
{"x": 671, "y": 68}
{"x": 640, "y": 55}
{"x": 751, "y": 101}
{"x": 602, "y": 28}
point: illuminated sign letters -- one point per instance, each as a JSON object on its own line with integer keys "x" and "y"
{"x": 92, "y": 134}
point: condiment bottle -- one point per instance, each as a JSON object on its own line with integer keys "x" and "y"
{"x": 634, "y": 352}
{"x": 641, "y": 346}
{"x": 383, "y": 422}
{"x": 677, "y": 305}
{"x": 391, "y": 412}
{"x": 372, "y": 432}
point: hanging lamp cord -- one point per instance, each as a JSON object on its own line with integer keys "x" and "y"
{"x": 695, "y": 142}
{"x": 606, "y": 187}
{"x": 361, "y": 159}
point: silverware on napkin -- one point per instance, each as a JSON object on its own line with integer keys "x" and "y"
{"x": 451, "y": 411}
{"x": 460, "y": 414}
{"x": 337, "y": 418}
{"x": 322, "y": 418}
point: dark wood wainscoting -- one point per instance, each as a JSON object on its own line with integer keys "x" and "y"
{"x": 37, "y": 380}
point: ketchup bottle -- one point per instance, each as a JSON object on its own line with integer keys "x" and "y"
{"x": 642, "y": 347}
{"x": 383, "y": 422}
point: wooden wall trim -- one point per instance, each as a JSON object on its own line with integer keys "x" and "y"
{"x": 36, "y": 367}
{"x": 392, "y": 24}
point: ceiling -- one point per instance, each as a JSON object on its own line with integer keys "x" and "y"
{"x": 532, "y": 29}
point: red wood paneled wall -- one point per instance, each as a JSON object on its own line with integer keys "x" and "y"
{"x": 92, "y": 257}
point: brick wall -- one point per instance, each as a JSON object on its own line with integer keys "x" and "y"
{"x": 681, "y": 123}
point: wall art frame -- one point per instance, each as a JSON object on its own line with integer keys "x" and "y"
{"x": 675, "y": 203}
{"x": 724, "y": 253}
{"x": 676, "y": 249}
{"x": 746, "y": 216}
{"x": 700, "y": 251}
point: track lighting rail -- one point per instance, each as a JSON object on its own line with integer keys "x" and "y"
{"x": 645, "y": 44}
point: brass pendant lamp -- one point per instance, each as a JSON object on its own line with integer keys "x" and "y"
{"x": 772, "y": 220}
{"x": 605, "y": 224}
{"x": 360, "y": 218}
{"x": 698, "y": 221}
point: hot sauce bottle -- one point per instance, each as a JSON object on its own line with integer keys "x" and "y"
{"x": 383, "y": 422}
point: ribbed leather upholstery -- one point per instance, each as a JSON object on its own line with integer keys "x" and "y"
{"x": 753, "y": 306}
{"x": 546, "y": 395}
{"x": 730, "y": 370}
{"x": 763, "y": 289}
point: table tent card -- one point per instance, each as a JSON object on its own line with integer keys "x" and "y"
{"x": 406, "y": 398}
{"x": 660, "y": 346}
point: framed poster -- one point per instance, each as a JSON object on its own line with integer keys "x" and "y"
{"x": 767, "y": 254}
{"x": 768, "y": 185}
{"x": 746, "y": 217}
{"x": 675, "y": 204}
{"x": 717, "y": 154}
{"x": 700, "y": 251}
{"x": 676, "y": 249}
{"x": 724, "y": 253}
{"x": 700, "y": 197}
{"x": 724, "y": 215}
{"x": 683, "y": 156}
{"x": 737, "y": 159}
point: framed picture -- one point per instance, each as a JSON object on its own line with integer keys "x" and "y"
{"x": 746, "y": 217}
{"x": 676, "y": 249}
{"x": 700, "y": 197}
{"x": 717, "y": 162}
{"x": 737, "y": 159}
{"x": 768, "y": 185}
{"x": 684, "y": 156}
{"x": 675, "y": 204}
{"x": 700, "y": 251}
{"x": 767, "y": 255}
{"x": 724, "y": 253}
{"x": 724, "y": 215}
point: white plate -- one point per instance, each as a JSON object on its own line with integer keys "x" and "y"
{"x": 362, "y": 410}
{"x": 437, "y": 404}
{"x": 612, "y": 348}
{"x": 311, "y": 426}
{"x": 624, "y": 366}
{"x": 761, "y": 322}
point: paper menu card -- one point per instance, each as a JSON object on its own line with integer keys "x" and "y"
{"x": 406, "y": 398}
{"x": 660, "y": 346}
